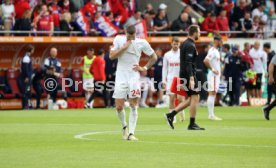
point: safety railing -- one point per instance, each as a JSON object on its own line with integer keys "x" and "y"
{"x": 260, "y": 34}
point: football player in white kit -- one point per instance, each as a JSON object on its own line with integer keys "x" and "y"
{"x": 127, "y": 48}
{"x": 212, "y": 61}
{"x": 171, "y": 68}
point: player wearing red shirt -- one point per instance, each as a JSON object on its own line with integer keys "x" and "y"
{"x": 97, "y": 68}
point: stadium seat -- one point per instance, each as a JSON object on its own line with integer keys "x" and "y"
{"x": 12, "y": 75}
{"x": 77, "y": 77}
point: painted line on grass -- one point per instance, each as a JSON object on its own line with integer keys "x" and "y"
{"x": 83, "y": 136}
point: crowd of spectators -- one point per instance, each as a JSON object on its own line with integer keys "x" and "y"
{"x": 108, "y": 17}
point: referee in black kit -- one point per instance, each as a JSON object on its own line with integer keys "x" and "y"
{"x": 272, "y": 83}
{"x": 188, "y": 54}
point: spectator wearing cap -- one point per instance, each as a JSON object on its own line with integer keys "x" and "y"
{"x": 97, "y": 69}
{"x": 181, "y": 23}
{"x": 161, "y": 22}
{"x": 210, "y": 24}
{"x": 233, "y": 74}
{"x": 245, "y": 24}
{"x": 222, "y": 21}
{"x": 270, "y": 54}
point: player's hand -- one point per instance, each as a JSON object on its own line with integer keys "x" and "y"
{"x": 216, "y": 72}
{"x": 138, "y": 68}
{"x": 192, "y": 83}
{"x": 163, "y": 85}
{"x": 271, "y": 80}
{"x": 266, "y": 75}
{"x": 126, "y": 45}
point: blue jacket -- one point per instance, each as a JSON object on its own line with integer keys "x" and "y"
{"x": 26, "y": 67}
{"x": 52, "y": 62}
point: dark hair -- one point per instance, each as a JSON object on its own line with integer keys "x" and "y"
{"x": 175, "y": 39}
{"x": 101, "y": 51}
{"x": 267, "y": 45}
{"x": 131, "y": 30}
{"x": 227, "y": 46}
{"x": 90, "y": 49}
{"x": 193, "y": 29}
{"x": 30, "y": 48}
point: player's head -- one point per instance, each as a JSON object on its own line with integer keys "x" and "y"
{"x": 226, "y": 48}
{"x": 130, "y": 32}
{"x": 101, "y": 52}
{"x": 90, "y": 52}
{"x": 235, "y": 50}
{"x": 246, "y": 46}
{"x": 175, "y": 43}
{"x": 217, "y": 41}
{"x": 267, "y": 47}
{"x": 30, "y": 49}
{"x": 158, "y": 52}
{"x": 53, "y": 52}
{"x": 194, "y": 32}
{"x": 257, "y": 45}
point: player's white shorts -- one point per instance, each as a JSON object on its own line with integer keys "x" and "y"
{"x": 127, "y": 84}
{"x": 88, "y": 84}
{"x": 213, "y": 82}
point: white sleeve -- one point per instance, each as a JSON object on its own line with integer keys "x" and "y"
{"x": 165, "y": 69}
{"x": 254, "y": 12}
{"x": 210, "y": 55}
{"x": 147, "y": 49}
{"x": 46, "y": 62}
{"x": 26, "y": 59}
{"x": 115, "y": 45}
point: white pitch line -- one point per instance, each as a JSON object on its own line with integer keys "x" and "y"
{"x": 83, "y": 136}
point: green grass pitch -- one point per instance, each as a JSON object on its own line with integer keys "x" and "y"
{"x": 49, "y": 139}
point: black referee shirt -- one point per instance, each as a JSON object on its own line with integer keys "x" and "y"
{"x": 188, "y": 54}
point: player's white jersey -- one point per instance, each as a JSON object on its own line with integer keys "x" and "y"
{"x": 214, "y": 58}
{"x": 131, "y": 56}
{"x": 260, "y": 58}
{"x": 171, "y": 65}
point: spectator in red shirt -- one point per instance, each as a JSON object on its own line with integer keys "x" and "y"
{"x": 20, "y": 8}
{"x": 55, "y": 11}
{"x": 222, "y": 21}
{"x": 44, "y": 21}
{"x": 210, "y": 24}
{"x": 64, "y": 5}
{"x": 97, "y": 68}
{"x": 90, "y": 8}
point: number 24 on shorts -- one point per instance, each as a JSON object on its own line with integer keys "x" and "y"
{"x": 136, "y": 92}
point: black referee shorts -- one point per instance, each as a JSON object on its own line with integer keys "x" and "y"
{"x": 186, "y": 83}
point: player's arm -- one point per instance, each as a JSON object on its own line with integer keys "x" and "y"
{"x": 208, "y": 64}
{"x": 265, "y": 63}
{"x": 164, "y": 71}
{"x": 149, "y": 52}
{"x": 271, "y": 79}
{"x": 116, "y": 51}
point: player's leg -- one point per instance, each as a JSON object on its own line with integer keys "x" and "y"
{"x": 171, "y": 104}
{"x": 119, "y": 103}
{"x": 193, "y": 111}
{"x": 181, "y": 99}
{"x": 144, "y": 96}
{"x": 268, "y": 108}
{"x": 133, "y": 117}
{"x": 213, "y": 85}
